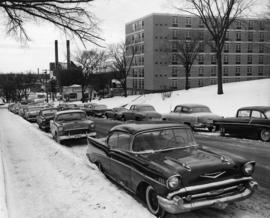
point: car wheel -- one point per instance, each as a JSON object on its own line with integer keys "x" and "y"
{"x": 265, "y": 135}
{"x": 210, "y": 129}
{"x": 99, "y": 166}
{"x": 106, "y": 116}
{"x": 222, "y": 131}
{"x": 152, "y": 202}
{"x": 57, "y": 139}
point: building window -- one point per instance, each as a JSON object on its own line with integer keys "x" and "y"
{"x": 225, "y": 59}
{"x": 238, "y": 59}
{"x": 201, "y": 35}
{"x": 249, "y": 59}
{"x": 175, "y": 21}
{"x": 201, "y": 47}
{"x": 188, "y": 21}
{"x": 260, "y": 59}
{"x": 250, "y": 48}
{"x": 174, "y": 34}
{"x": 238, "y": 36}
{"x": 201, "y": 24}
{"x": 213, "y": 71}
{"x": 238, "y": 25}
{"x": 213, "y": 59}
{"x": 174, "y": 47}
{"x": 260, "y": 71}
{"x": 200, "y": 71}
{"x": 249, "y": 71}
{"x": 250, "y": 24}
{"x": 261, "y": 36}
{"x": 261, "y": 48}
{"x": 227, "y": 36}
{"x": 238, "y": 48}
{"x": 174, "y": 59}
{"x": 188, "y": 35}
{"x": 261, "y": 25}
{"x": 174, "y": 84}
{"x": 226, "y": 47}
{"x": 250, "y": 36}
{"x": 237, "y": 70}
{"x": 201, "y": 60}
{"x": 225, "y": 71}
{"x": 174, "y": 72}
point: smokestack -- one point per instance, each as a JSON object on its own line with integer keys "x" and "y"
{"x": 56, "y": 55}
{"x": 68, "y": 54}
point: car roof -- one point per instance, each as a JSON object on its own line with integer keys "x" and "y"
{"x": 49, "y": 108}
{"x": 70, "y": 111}
{"x": 133, "y": 128}
{"x": 260, "y": 108}
{"x": 192, "y": 105}
{"x": 143, "y": 105}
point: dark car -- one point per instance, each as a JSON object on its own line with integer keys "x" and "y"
{"x": 165, "y": 167}
{"x": 116, "y": 113}
{"x": 44, "y": 117}
{"x": 141, "y": 112}
{"x": 249, "y": 121}
{"x": 67, "y": 106}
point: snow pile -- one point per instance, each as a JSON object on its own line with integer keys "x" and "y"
{"x": 236, "y": 95}
{"x": 47, "y": 180}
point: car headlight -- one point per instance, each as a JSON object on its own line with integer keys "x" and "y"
{"x": 174, "y": 182}
{"x": 61, "y": 128}
{"x": 92, "y": 126}
{"x": 248, "y": 168}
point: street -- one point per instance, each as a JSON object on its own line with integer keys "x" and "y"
{"x": 58, "y": 176}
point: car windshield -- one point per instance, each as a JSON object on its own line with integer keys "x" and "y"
{"x": 49, "y": 112}
{"x": 146, "y": 108}
{"x": 165, "y": 139}
{"x": 71, "y": 116}
{"x": 199, "y": 109}
{"x": 35, "y": 108}
{"x": 267, "y": 114}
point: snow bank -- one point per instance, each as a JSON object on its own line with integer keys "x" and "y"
{"x": 236, "y": 95}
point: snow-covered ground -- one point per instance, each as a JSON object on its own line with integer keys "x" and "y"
{"x": 236, "y": 95}
{"x": 40, "y": 178}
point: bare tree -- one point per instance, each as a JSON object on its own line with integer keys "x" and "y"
{"x": 71, "y": 16}
{"x": 217, "y": 16}
{"x": 89, "y": 61}
{"x": 122, "y": 57}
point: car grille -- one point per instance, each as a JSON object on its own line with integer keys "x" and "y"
{"x": 77, "y": 131}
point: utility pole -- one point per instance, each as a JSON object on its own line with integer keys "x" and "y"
{"x": 46, "y": 90}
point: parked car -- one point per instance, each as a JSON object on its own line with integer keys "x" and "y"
{"x": 31, "y": 112}
{"x": 194, "y": 115}
{"x": 248, "y": 121}
{"x": 116, "y": 113}
{"x": 164, "y": 166}
{"x": 88, "y": 107}
{"x": 67, "y": 106}
{"x": 44, "y": 117}
{"x": 141, "y": 112}
{"x": 71, "y": 124}
{"x": 97, "y": 110}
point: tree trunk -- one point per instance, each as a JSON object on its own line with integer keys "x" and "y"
{"x": 187, "y": 82}
{"x": 219, "y": 73}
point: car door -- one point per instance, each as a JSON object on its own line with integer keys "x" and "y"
{"x": 120, "y": 169}
{"x": 241, "y": 123}
{"x": 257, "y": 118}
{"x": 129, "y": 114}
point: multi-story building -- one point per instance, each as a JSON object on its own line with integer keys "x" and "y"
{"x": 246, "y": 53}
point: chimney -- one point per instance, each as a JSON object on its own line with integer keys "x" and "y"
{"x": 56, "y": 56}
{"x": 68, "y": 55}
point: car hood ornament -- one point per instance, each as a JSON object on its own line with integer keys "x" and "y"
{"x": 212, "y": 175}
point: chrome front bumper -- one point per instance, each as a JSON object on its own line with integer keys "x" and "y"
{"x": 77, "y": 136}
{"x": 177, "y": 205}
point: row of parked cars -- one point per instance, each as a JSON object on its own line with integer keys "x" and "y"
{"x": 159, "y": 161}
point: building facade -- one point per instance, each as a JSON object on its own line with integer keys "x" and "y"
{"x": 246, "y": 53}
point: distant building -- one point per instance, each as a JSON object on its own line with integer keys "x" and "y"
{"x": 72, "y": 93}
{"x": 246, "y": 54}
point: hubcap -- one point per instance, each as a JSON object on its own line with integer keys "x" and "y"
{"x": 265, "y": 135}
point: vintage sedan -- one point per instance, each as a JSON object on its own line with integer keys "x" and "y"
{"x": 44, "y": 117}
{"x": 166, "y": 168}
{"x": 141, "y": 112}
{"x": 31, "y": 112}
{"x": 116, "y": 113}
{"x": 97, "y": 110}
{"x": 197, "y": 116}
{"x": 249, "y": 121}
{"x": 71, "y": 124}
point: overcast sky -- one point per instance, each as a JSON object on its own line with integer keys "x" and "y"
{"x": 113, "y": 14}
